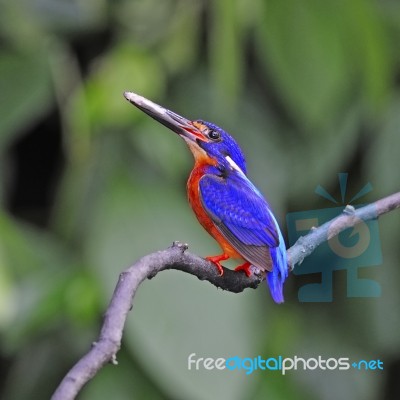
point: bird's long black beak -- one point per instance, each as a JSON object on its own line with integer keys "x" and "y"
{"x": 182, "y": 126}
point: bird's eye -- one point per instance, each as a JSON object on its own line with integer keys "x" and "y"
{"x": 214, "y": 135}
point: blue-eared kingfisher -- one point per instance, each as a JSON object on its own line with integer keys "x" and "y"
{"x": 229, "y": 207}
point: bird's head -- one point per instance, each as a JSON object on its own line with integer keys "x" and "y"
{"x": 209, "y": 143}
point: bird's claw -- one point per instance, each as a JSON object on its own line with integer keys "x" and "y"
{"x": 244, "y": 267}
{"x": 219, "y": 268}
{"x": 216, "y": 261}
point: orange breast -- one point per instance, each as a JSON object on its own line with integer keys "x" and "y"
{"x": 201, "y": 214}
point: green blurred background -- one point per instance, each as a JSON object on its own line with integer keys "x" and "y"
{"x": 88, "y": 184}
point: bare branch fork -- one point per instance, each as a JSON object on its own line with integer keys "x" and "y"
{"x": 177, "y": 257}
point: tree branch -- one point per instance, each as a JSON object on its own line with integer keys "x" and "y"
{"x": 176, "y": 257}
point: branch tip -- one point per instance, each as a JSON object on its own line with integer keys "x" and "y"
{"x": 114, "y": 360}
{"x": 349, "y": 210}
{"x": 179, "y": 245}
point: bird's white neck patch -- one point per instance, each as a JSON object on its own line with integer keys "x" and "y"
{"x": 234, "y": 165}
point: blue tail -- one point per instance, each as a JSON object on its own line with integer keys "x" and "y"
{"x": 278, "y": 275}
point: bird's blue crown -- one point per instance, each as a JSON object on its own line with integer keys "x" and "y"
{"x": 224, "y": 146}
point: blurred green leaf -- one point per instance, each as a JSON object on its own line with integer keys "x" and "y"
{"x": 68, "y": 16}
{"x": 36, "y": 18}
{"x": 84, "y": 179}
{"x": 317, "y": 162}
{"x": 148, "y": 22}
{"x": 178, "y": 48}
{"x": 226, "y": 50}
{"x": 301, "y": 44}
{"x": 27, "y": 250}
{"x": 317, "y": 52}
{"x": 99, "y": 106}
{"x": 162, "y": 150}
{"x": 7, "y": 307}
{"x": 43, "y": 284}
{"x": 368, "y": 43}
{"x": 384, "y": 150}
{"x": 26, "y": 87}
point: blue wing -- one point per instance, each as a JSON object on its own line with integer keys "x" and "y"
{"x": 242, "y": 215}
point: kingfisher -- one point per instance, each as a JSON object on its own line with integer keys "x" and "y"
{"x": 226, "y": 203}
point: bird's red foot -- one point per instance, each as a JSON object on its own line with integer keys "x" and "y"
{"x": 244, "y": 267}
{"x": 216, "y": 261}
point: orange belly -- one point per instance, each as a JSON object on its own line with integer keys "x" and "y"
{"x": 203, "y": 218}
